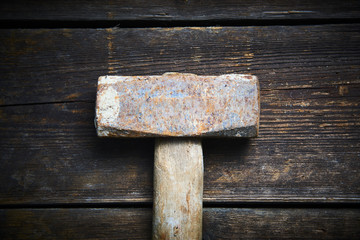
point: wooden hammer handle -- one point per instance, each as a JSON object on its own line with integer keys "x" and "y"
{"x": 178, "y": 188}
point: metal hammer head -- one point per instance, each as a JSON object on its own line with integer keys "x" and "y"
{"x": 178, "y": 105}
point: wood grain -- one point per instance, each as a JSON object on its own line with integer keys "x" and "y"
{"x": 307, "y": 151}
{"x": 177, "y": 10}
{"x": 219, "y": 223}
{"x": 178, "y": 189}
{"x": 43, "y": 65}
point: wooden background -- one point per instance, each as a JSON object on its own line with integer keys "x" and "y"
{"x": 299, "y": 179}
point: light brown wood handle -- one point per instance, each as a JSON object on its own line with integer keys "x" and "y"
{"x": 178, "y": 188}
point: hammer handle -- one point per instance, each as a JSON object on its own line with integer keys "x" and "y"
{"x": 178, "y": 188}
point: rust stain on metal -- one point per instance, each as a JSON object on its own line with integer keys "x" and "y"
{"x": 178, "y": 104}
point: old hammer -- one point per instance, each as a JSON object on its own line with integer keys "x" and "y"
{"x": 177, "y": 109}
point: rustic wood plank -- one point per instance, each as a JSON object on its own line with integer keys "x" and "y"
{"x": 219, "y": 223}
{"x": 308, "y": 148}
{"x": 55, "y": 156}
{"x": 278, "y": 223}
{"x": 83, "y": 223}
{"x": 177, "y": 10}
{"x": 47, "y": 63}
{"x": 64, "y": 64}
{"x": 50, "y": 153}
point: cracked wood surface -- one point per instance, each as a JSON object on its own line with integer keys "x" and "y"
{"x": 308, "y": 146}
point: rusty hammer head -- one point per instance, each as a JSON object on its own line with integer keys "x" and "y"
{"x": 178, "y": 105}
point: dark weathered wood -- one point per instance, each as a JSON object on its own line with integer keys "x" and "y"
{"x": 51, "y": 63}
{"x": 83, "y": 223}
{"x": 177, "y": 10}
{"x": 219, "y": 223}
{"x": 50, "y": 153}
{"x": 264, "y": 223}
{"x": 64, "y": 64}
{"x": 308, "y": 148}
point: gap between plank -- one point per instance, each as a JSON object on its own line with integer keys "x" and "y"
{"x": 53, "y": 24}
{"x": 205, "y": 205}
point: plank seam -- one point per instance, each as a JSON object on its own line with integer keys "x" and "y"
{"x": 94, "y": 24}
{"x": 205, "y": 205}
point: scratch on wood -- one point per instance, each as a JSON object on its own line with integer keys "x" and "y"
{"x": 278, "y": 174}
{"x": 288, "y": 12}
{"x": 67, "y": 33}
{"x": 111, "y": 61}
{"x": 110, "y": 15}
{"x": 249, "y": 55}
{"x": 343, "y": 90}
{"x": 72, "y": 96}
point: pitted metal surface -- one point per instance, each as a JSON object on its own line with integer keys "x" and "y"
{"x": 178, "y": 105}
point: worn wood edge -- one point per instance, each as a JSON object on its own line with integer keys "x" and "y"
{"x": 219, "y": 223}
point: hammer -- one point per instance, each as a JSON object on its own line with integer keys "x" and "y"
{"x": 178, "y": 109}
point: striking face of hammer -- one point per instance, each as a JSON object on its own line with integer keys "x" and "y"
{"x": 178, "y": 105}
